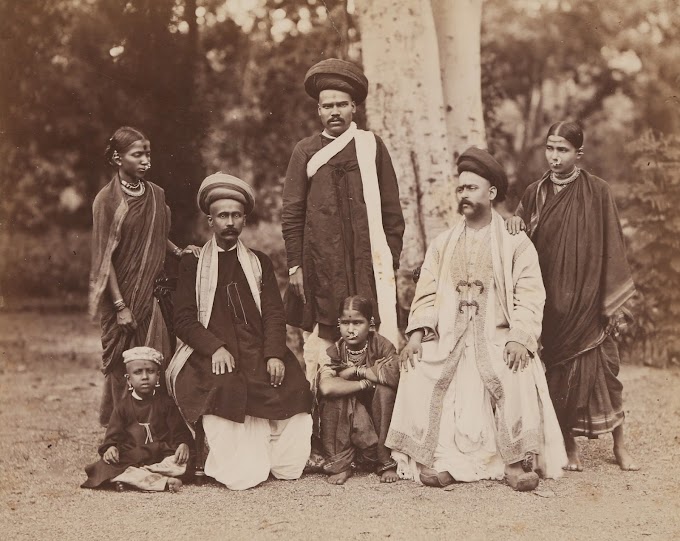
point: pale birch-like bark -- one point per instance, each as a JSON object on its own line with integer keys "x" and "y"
{"x": 405, "y": 107}
{"x": 458, "y": 25}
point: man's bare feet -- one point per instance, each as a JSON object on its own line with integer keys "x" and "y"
{"x": 573, "y": 456}
{"x": 339, "y": 478}
{"x": 174, "y": 484}
{"x": 520, "y": 480}
{"x": 389, "y": 476}
{"x": 624, "y": 459}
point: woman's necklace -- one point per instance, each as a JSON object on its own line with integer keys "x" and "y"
{"x": 564, "y": 181}
{"x": 133, "y": 190}
{"x": 355, "y": 357}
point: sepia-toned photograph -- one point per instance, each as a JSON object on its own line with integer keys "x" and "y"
{"x": 339, "y": 269}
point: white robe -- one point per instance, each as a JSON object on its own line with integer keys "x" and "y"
{"x": 462, "y": 410}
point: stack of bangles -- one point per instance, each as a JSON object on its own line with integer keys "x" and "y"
{"x": 360, "y": 372}
{"x": 119, "y": 305}
{"x": 178, "y": 251}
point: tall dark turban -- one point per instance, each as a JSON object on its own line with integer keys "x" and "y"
{"x": 223, "y": 186}
{"x": 482, "y": 163}
{"x": 336, "y": 74}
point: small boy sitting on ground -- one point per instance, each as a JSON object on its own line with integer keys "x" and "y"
{"x": 147, "y": 442}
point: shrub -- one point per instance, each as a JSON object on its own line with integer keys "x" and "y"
{"x": 652, "y": 223}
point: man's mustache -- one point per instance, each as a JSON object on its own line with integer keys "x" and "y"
{"x": 464, "y": 202}
{"x": 229, "y": 230}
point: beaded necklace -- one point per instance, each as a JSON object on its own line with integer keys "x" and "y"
{"x": 355, "y": 357}
{"x": 133, "y": 190}
{"x": 564, "y": 181}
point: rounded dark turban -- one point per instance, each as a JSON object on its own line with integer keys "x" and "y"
{"x": 481, "y": 162}
{"x": 223, "y": 186}
{"x": 336, "y": 74}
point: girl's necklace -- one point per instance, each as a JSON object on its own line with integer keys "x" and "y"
{"x": 354, "y": 357}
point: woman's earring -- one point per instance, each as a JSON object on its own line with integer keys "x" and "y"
{"x": 338, "y": 323}
{"x": 372, "y": 322}
{"x": 116, "y": 157}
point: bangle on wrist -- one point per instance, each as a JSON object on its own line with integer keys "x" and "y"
{"x": 365, "y": 384}
{"x": 178, "y": 251}
{"x": 119, "y": 305}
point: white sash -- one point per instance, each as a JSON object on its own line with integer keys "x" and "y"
{"x": 383, "y": 271}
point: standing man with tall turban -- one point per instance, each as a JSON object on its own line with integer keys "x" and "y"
{"x": 342, "y": 221}
{"x": 233, "y": 371}
{"x": 473, "y": 402}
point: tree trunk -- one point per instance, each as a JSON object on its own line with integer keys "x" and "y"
{"x": 458, "y": 25}
{"x": 405, "y": 107}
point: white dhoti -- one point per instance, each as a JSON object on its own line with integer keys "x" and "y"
{"x": 242, "y": 455}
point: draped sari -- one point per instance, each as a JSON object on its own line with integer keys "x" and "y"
{"x": 578, "y": 237}
{"x": 129, "y": 233}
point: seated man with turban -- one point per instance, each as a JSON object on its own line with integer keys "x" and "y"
{"x": 233, "y": 371}
{"x": 342, "y": 221}
{"x": 472, "y": 401}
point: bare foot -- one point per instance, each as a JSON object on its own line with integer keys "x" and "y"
{"x": 624, "y": 459}
{"x": 389, "y": 476}
{"x": 339, "y": 478}
{"x": 573, "y": 456}
{"x": 174, "y": 484}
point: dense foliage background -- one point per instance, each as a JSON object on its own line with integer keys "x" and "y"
{"x": 216, "y": 84}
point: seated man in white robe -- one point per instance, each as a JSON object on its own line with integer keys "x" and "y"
{"x": 233, "y": 373}
{"x": 473, "y": 401}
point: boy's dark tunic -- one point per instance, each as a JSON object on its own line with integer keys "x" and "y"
{"x": 359, "y": 422}
{"x": 166, "y": 426}
{"x": 251, "y": 338}
{"x": 325, "y": 227}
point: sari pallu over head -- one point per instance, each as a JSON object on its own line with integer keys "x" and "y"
{"x": 578, "y": 237}
{"x": 132, "y": 235}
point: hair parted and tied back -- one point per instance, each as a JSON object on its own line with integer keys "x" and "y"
{"x": 571, "y": 131}
{"x": 121, "y": 139}
{"x": 361, "y": 304}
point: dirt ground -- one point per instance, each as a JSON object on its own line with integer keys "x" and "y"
{"x": 49, "y": 391}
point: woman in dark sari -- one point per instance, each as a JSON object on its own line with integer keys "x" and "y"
{"x": 129, "y": 241}
{"x": 572, "y": 220}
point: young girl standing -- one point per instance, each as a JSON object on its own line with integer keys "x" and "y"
{"x": 357, "y": 384}
{"x": 129, "y": 242}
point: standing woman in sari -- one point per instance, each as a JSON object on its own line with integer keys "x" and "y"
{"x": 571, "y": 217}
{"x": 131, "y": 222}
